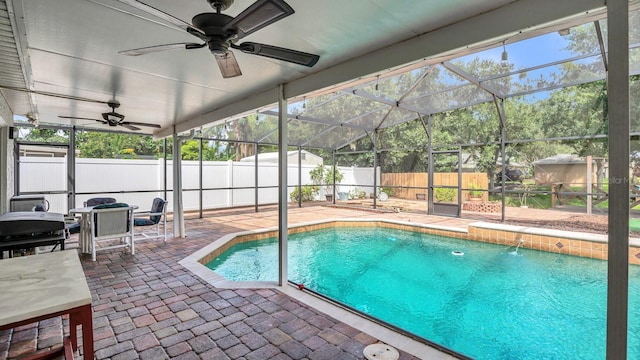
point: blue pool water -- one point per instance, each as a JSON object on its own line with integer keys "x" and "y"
{"x": 491, "y": 303}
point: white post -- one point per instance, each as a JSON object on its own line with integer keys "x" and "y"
{"x": 229, "y": 183}
{"x": 283, "y": 227}
{"x": 178, "y": 208}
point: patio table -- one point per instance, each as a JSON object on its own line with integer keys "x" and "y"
{"x": 35, "y": 288}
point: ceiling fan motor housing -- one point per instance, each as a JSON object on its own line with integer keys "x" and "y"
{"x": 212, "y": 24}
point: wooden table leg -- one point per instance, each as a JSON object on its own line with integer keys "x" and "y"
{"x": 82, "y": 316}
{"x": 87, "y": 332}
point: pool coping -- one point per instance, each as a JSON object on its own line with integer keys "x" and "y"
{"x": 380, "y": 332}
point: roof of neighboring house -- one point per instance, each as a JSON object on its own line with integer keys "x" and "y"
{"x": 44, "y": 151}
{"x": 272, "y": 157}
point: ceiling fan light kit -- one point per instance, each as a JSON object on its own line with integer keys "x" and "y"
{"x": 220, "y": 32}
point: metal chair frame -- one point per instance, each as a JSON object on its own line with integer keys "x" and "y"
{"x": 109, "y": 224}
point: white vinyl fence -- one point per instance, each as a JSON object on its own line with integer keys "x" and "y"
{"x": 225, "y": 183}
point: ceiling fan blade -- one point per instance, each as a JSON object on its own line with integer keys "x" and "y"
{"x": 157, "y": 48}
{"x": 140, "y": 124}
{"x": 78, "y": 118}
{"x": 228, "y": 65}
{"x": 130, "y": 127}
{"x": 257, "y": 16}
{"x": 275, "y": 52}
{"x": 164, "y": 16}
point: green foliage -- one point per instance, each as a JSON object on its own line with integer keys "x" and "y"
{"x": 308, "y": 193}
{"x": 112, "y": 145}
{"x": 46, "y": 135}
{"x": 128, "y": 154}
{"x": 324, "y": 175}
{"x": 191, "y": 151}
{"x": 476, "y": 190}
{"x": 317, "y": 174}
{"x": 444, "y": 194}
{"x": 329, "y": 175}
{"x": 355, "y": 193}
{"x": 248, "y": 128}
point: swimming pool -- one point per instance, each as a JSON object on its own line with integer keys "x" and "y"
{"x": 490, "y": 303}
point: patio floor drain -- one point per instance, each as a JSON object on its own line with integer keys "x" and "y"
{"x": 380, "y": 351}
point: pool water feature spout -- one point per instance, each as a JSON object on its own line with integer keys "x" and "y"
{"x": 515, "y": 252}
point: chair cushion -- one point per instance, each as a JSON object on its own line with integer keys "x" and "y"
{"x": 111, "y": 205}
{"x": 100, "y": 200}
{"x": 157, "y": 207}
{"x": 143, "y": 222}
{"x": 73, "y": 228}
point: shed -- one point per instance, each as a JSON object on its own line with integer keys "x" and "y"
{"x": 569, "y": 169}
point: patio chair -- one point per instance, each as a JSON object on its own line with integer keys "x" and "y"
{"x": 157, "y": 217}
{"x": 109, "y": 222}
{"x": 99, "y": 201}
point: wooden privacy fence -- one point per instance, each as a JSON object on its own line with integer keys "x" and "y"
{"x": 413, "y": 186}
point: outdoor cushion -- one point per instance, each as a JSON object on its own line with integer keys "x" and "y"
{"x": 73, "y": 228}
{"x": 142, "y": 222}
{"x": 157, "y": 207}
{"x": 100, "y": 200}
{"x": 111, "y": 205}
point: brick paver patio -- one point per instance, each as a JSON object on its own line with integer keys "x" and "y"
{"x": 148, "y": 306}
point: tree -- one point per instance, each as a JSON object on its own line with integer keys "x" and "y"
{"x": 39, "y": 134}
{"x": 191, "y": 150}
{"x": 115, "y": 145}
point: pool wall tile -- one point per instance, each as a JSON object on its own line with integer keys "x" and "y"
{"x": 555, "y": 241}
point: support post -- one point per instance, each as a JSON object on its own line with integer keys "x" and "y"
{"x": 71, "y": 170}
{"x": 201, "y": 177}
{"x": 299, "y": 176}
{"x": 333, "y": 177}
{"x": 283, "y": 240}
{"x": 256, "y": 176}
{"x": 589, "y": 184}
{"x": 459, "y": 213}
{"x": 16, "y": 168}
{"x": 164, "y": 168}
{"x": 178, "y": 209}
{"x": 618, "y": 238}
{"x": 375, "y": 168}
{"x": 427, "y": 131}
{"x": 430, "y": 170}
{"x": 503, "y": 152}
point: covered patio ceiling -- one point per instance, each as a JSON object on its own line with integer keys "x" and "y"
{"x": 61, "y": 59}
